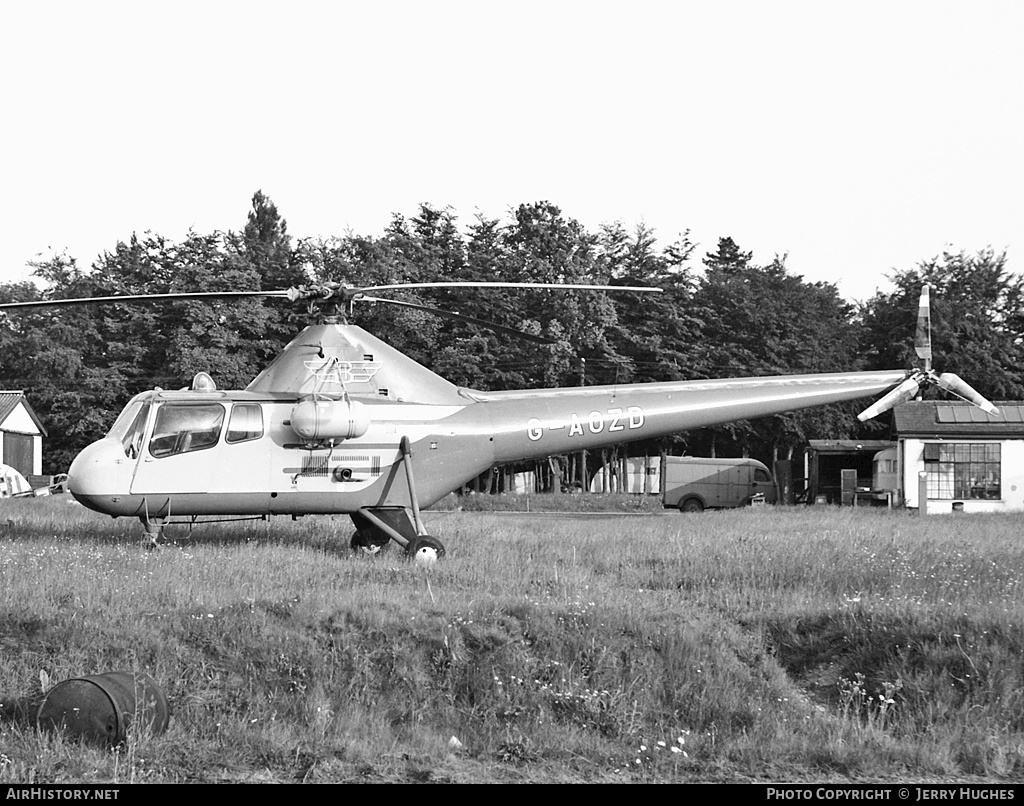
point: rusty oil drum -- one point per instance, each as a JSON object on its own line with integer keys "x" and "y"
{"x": 105, "y": 707}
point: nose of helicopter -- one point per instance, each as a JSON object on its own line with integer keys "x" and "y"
{"x": 100, "y": 474}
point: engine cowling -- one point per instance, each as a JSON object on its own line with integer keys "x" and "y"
{"x": 330, "y": 419}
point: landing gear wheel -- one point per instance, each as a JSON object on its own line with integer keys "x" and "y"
{"x": 425, "y": 549}
{"x": 691, "y": 505}
{"x": 364, "y": 543}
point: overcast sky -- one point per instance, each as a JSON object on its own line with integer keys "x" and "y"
{"x": 857, "y": 138}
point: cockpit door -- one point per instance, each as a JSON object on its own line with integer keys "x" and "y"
{"x": 183, "y": 450}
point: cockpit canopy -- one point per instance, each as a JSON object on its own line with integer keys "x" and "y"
{"x": 181, "y": 426}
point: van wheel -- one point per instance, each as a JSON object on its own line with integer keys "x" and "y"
{"x": 691, "y": 505}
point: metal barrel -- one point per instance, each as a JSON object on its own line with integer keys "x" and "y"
{"x": 105, "y": 707}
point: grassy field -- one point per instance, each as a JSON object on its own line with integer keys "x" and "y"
{"x": 769, "y": 644}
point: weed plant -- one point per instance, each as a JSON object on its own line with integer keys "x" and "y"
{"x": 783, "y": 644}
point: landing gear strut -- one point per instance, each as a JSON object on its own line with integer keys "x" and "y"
{"x": 376, "y": 526}
{"x": 154, "y": 527}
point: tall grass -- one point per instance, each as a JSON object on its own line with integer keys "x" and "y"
{"x": 768, "y": 644}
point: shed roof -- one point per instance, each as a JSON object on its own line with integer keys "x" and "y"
{"x": 849, "y": 445}
{"x": 941, "y": 418}
{"x": 9, "y": 401}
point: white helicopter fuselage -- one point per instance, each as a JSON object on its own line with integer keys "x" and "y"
{"x": 357, "y": 416}
{"x": 269, "y": 470}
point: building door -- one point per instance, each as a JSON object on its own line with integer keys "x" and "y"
{"x": 18, "y": 452}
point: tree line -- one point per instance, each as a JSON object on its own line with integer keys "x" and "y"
{"x": 720, "y": 315}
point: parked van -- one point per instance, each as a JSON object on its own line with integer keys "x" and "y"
{"x": 694, "y": 484}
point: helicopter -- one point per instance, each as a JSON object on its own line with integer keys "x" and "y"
{"x": 343, "y": 423}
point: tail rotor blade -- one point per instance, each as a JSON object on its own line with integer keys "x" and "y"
{"x": 906, "y": 390}
{"x": 923, "y": 336}
{"x": 951, "y": 383}
{"x": 959, "y": 387}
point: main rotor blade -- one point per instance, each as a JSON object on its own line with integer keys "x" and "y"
{"x": 193, "y": 295}
{"x": 923, "y": 336}
{"x": 460, "y": 317}
{"x": 488, "y": 284}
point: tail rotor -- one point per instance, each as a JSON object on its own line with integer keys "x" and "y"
{"x": 925, "y": 375}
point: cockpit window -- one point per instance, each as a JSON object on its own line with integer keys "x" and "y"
{"x": 132, "y": 441}
{"x": 130, "y": 427}
{"x": 125, "y": 419}
{"x": 186, "y": 427}
{"x": 246, "y": 422}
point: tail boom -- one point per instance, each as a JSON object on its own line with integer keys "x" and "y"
{"x": 533, "y": 424}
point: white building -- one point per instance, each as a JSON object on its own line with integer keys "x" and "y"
{"x": 21, "y": 434}
{"x": 961, "y": 457}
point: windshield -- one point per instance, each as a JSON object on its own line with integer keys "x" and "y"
{"x": 126, "y": 418}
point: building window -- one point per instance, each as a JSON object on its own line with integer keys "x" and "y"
{"x": 963, "y": 470}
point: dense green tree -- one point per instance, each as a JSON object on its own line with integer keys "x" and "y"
{"x": 473, "y": 356}
{"x": 547, "y": 247}
{"x": 655, "y": 333}
{"x": 223, "y": 338}
{"x": 15, "y": 331}
{"x": 428, "y": 247}
{"x": 266, "y": 245}
{"x": 977, "y": 313}
{"x": 58, "y": 357}
{"x": 762, "y": 320}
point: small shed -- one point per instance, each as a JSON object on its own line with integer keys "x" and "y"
{"x": 964, "y": 458}
{"x": 21, "y": 434}
{"x": 826, "y": 459}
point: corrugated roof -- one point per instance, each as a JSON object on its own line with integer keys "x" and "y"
{"x": 944, "y": 417}
{"x": 9, "y": 401}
